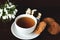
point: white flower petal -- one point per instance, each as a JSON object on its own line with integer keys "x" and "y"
{"x": 10, "y": 3}
{"x": 13, "y": 16}
{"x": 1, "y": 12}
{"x": 5, "y": 11}
{"x": 7, "y": 5}
{"x": 16, "y": 10}
{"x": 9, "y": 15}
{"x": 12, "y": 6}
{"x": 4, "y": 17}
{"x": 14, "y": 13}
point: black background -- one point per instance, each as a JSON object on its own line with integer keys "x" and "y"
{"x": 48, "y": 8}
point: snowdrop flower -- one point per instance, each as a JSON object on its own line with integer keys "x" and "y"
{"x": 13, "y": 16}
{"x": 7, "y": 5}
{"x": 7, "y": 8}
{"x": 5, "y": 17}
{"x": 9, "y": 15}
{"x": 1, "y": 12}
{"x": 10, "y": 6}
{"x": 28, "y": 11}
{"x": 15, "y": 11}
{"x": 10, "y": 3}
{"x": 5, "y": 11}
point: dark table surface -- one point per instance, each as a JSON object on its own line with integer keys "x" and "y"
{"x": 47, "y": 8}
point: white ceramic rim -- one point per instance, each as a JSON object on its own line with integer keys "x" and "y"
{"x": 27, "y": 15}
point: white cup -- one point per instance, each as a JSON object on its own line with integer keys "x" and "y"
{"x": 21, "y": 30}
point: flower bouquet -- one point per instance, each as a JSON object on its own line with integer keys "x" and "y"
{"x": 7, "y": 11}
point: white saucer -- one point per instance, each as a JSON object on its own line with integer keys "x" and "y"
{"x": 20, "y": 36}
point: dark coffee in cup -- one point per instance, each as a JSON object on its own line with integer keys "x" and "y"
{"x": 25, "y": 22}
